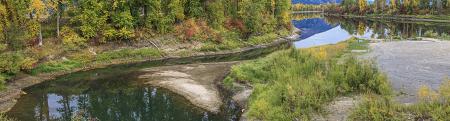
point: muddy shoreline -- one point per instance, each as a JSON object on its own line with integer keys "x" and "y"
{"x": 15, "y": 88}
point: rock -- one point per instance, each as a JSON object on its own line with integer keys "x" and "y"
{"x": 242, "y": 97}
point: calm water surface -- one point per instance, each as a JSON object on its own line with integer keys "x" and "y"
{"x": 318, "y": 30}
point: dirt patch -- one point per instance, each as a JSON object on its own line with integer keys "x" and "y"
{"x": 412, "y": 64}
{"x": 339, "y": 109}
{"x": 195, "y": 82}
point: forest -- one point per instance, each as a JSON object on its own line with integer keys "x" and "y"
{"x": 31, "y": 31}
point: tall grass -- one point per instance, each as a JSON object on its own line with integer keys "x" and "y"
{"x": 292, "y": 84}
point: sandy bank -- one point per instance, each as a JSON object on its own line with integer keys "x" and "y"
{"x": 195, "y": 82}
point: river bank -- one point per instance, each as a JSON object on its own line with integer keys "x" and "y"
{"x": 394, "y": 17}
{"x": 14, "y": 88}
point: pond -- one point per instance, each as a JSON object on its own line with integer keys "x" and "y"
{"x": 317, "y": 29}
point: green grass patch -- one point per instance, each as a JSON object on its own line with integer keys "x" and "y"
{"x": 54, "y": 66}
{"x": 293, "y": 84}
{"x": 128, "y": 54}
{"x": 358, "y": 44}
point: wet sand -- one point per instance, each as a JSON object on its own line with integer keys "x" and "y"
{"x": 196, "y": 82}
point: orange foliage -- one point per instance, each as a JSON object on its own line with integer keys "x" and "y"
{"x": 235, "y": 24}
{"x": 193, "y": 29}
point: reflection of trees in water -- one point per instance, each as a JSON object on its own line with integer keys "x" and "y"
{"x": 380, "y": 29}
{"x": 302, "y": 16}
{"x": 387, "y": 29}
{"x": 135, "y": 104}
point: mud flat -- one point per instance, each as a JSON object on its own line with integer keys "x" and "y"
{"x": 412, "y": 64}
{"x": 196, "y": 82}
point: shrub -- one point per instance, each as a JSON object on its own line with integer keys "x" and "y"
{"x": 13, "y": 62}
{"x": 266, "y": 38}
{"x": 197, "y": 30}
{"x": 431, "y": 33}
{"x": 72, "y": 40}
{"x": 118, "y": 34}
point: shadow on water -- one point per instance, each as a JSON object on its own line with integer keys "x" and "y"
{"x": 317, "y": 29}
{"x": 114, "y": 94}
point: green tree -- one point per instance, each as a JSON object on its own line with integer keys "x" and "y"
{"x": 39, "y": 13}
{"x": 283, "y": 13}
{"x": 424, "y": 4}
{"x": 91, "y": 16}
{"x": 176, "y": 10}
{"x": 194, "y": 8}
{"x": 4, "y": 23}
{"x": 215, "y": 10}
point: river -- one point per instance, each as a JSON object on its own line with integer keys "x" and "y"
{"x": 113, "y": 94}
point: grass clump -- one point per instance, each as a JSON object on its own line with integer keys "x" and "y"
{"x": 432, "y": 105}
{"x": 292, "y": 84}
{"x": 53, "y": 66}
{"x": 129, "y": 54}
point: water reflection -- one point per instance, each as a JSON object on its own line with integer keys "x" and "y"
{"x": 321, "y": 30}
{"x": 116, "y": 98}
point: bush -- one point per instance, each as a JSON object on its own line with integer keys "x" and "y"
{"x": 14, "y": 62}
{"x": 263, "y": 39}
{"x": 431, "y": 33}
{"x": 196, "y": 30}
{"x": 72, "y": 40}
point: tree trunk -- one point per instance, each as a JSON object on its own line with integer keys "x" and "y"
{"x": 58, "y": 17}
{"x": 40, "y": 36}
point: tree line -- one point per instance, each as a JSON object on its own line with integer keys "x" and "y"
{"x": 107, "y": 20}
{"x": 415, "y": 7}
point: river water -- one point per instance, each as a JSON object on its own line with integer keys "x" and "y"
{"x": 318, "y": 30}
{"x": 113, "y": 94}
